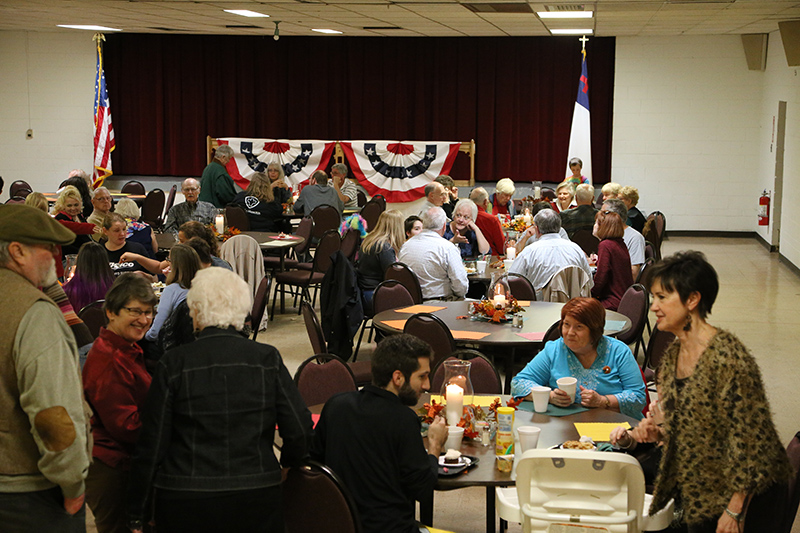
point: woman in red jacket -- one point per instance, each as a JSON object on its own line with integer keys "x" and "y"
{"x": 613, "y": 276}
{"x": 68, "y": 208}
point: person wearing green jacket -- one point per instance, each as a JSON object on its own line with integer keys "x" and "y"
{"x": 216, "y": 185}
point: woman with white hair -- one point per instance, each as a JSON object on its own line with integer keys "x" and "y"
{"x": 209, "y": 422}
{"x": 501, "y": 201}
{"x": 463, "y": 232}
{"x": 565, "y": 196}
{"x": 137, "y": 231}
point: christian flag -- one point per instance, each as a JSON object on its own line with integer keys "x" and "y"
{"x": 399, "y": 170}
{"x": 103, "y": 129}
{"x": 580, "y": 138}
{"x": 299, "y": 159}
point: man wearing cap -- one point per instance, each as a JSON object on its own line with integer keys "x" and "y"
{"x": 45, "y": 443}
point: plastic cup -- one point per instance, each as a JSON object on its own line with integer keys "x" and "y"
{"x": 505, "y": 462}
{"x": 454, "y": 436}
{"x": 568, "y": 385}
{"x": 528, "y": 437}
{"x": 481, "y": 266}
{"x": 507, "y": 263}
{"x": 541, "y": 397}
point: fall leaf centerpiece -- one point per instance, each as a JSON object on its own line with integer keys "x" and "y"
{"x": 225, "y": 235}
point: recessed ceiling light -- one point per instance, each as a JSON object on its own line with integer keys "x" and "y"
{"x": 565, "y": 14}
{"x": 87, "y": 27}
{"x": 586, "y": 31}
{"x": 245, "y": 13}
{"x": 326, "y": 31}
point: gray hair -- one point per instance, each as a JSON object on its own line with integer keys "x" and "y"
{"x": 617, "y": 206}
{"x": 432, "y": 186}
{"x": 465, "y": 202}
{"x": 127, "y": 208}
{"x": 223, "y": 150}
{"x": 101, "y": 188}
{"x": 479, "y": 195}
{"x": 275, "y": 164}
{"x": 576, "y": 160}
{"x": 220, "y": 298}
{"x": 434, "y": 219}
{"x": 548, "y": 221}
{"x": 446, "y": 181}
{"x": 505, "y": 186}
{"x": 5, "y": 256}
{"x": 340, "y": 168}
{"x": 584, "y": 193}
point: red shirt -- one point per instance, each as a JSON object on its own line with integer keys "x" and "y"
{"x": 492, "y": 230}
{"x": 115, "y": 383}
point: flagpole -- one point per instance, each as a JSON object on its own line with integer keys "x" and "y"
{"x": 103, "y": 130}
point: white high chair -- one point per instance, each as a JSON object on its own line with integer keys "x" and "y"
{"x": 578, "y": 491}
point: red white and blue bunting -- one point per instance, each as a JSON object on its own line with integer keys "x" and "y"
{"x": 399, "y": 170}
{"x": 298, "y": 158}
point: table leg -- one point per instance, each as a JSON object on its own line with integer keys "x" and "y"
{"x": 490, "y": 510}
{"x": 426, "y": 511}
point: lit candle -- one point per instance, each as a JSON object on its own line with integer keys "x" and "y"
{"x": 454, "y": 395}
{"x": 220, "y": 223}
{"x": 499, "y": 300}
{"x": 526, "y": 218}
{"x": 511, "y": 253}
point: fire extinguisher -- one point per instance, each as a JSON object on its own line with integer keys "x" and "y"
{"x": 763, "y": 209}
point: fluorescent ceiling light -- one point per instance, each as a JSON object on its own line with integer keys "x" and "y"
{"x": 245, "y": 13}
{"x": 565, "y": 14}
{"x": 572, "y": 32}
{"x": 326, "y": 31}
{"x": 87, "y": 27}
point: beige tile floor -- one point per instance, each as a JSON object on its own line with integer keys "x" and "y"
{"x": 759, "y": 301}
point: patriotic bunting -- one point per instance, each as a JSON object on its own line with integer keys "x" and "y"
{"x": 299, "y": 159}
{"x": 399, "y": 170}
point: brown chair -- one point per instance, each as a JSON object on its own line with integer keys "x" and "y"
{"x": 303, "y": 280}
{"x": 19, "y": 188}
{"x": 380, "y": 198}
{"x": 162, "y": 218}
{"x": 325, "y": 218}
{"x": 304, "y": 229}
{"x": 94, "y": 317}
{"x": 260, "y": 304}
{"x": 432, "y": 330}
{"x": 389, "y": 294}
{"x": 482, "y": 373}
{"x": 520, "y": 286}
{"x": 361, "y": 370}
{"x": 134, "y": 187}
{"x": 316, "y": 499}
{"x": 549, "y": 194}
{"x": 553, "y": 333}
{"x": 588, "y": 242}
{"x": 634, "y": 305}
{"x": 322, "y": 376}
{"x": 656, "y": 348}
{"x": 372, "y": 212}
{"x": 351, "y": 241}
{"x": 153, "y": 207}
{"x": 402, "y": 273}
{"x": 237, "y": 218}
{"x": 16, "y": 200}
{"x": 362, "y": 199}
{"x": 793, "y": 494}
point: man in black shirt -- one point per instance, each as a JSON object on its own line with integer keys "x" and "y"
{"x": 372, "y": 439}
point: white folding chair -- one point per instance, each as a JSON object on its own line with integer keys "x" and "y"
{"x": 575, "y": 490}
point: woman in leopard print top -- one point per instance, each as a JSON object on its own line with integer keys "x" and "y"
{"x": 722, "y": 459}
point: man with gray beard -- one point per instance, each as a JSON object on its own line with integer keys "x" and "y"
{"x": 45, "y": 444}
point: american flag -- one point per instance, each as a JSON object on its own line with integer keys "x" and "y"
{"x": 103, "y": 129}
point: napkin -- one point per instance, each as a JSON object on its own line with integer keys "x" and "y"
{"x": 598, "y": 431}
{"x": 554, "y": 410}
{"x": 615, "y": 324}
{"x": 524, "y": 303}
{"x": 533, "y": 336}
{"x": 480, "y": 401}
{"x": 396, "y": 324}
{"x": 272, "y": 244}
{"x": 420, "y": 309}
{"x": 468, "y": 335}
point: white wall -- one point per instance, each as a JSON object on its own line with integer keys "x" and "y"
{"x": 47, "y": 84}
{"x": 686, "y": 129}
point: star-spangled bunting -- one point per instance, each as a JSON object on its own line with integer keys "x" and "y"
{"x": 103, "y": 129}
{"x": 580, "y": 137}
{"x": 399, "y": 170}
{"x": 299, "y": 158}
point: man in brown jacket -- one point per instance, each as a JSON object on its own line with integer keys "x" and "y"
{"x": 44, "y": 436}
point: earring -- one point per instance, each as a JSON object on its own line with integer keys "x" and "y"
{"x": 688, "y": 325}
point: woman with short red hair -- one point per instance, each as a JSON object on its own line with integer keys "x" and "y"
{"x": 605, "y": 368}
{"x": 613, "y": 276}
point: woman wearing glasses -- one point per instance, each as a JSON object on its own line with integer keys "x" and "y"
{"x": 115, "y": 384}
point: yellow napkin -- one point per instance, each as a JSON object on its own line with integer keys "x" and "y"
{"x": 396, "y": 324}
{"x": 468, "y": 335}
{"x": 598, "y": 431}
{"x": 480, "y": 401}
{"x": 420, "y": 309}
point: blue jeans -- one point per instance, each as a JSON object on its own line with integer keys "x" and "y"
{"x": 23, "y": 512}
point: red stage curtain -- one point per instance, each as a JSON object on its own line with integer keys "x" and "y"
{"x": 513, "y": 95}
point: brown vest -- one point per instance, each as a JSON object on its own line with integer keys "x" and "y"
{"x": 19, "y": 454}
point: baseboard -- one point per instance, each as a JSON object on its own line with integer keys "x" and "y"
{"x": 708, "y": 233}
{"x": 791, "y": 266}
{"x": 766, "y": 244}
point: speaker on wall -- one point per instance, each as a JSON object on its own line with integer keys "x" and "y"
{"x": 755, "y": 50}
{"x": 790, "y": 35}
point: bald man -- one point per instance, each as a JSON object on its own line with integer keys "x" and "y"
{"x": 192, "y": 209}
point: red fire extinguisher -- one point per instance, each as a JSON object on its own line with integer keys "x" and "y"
{"x": 763, "y": 209}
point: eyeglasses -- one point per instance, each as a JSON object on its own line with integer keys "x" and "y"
{"x": 136, "y": 312}
{"x": 606, "y": 212}
{"x": 190, "y": 189}
{"x": 103, "y": 198}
